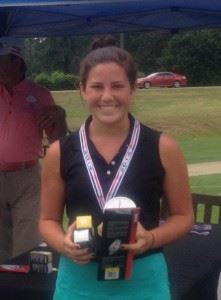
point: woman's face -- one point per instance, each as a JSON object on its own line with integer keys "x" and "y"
{"x": 108, "y": 92}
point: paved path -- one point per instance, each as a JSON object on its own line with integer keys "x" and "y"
{"x": 204, "y": 168}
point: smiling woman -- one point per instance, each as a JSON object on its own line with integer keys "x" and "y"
{"x": 113, "y": 154}
{"x": 108, "y": 94}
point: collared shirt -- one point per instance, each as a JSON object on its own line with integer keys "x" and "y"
{"x": 20, "y": 135}
{"x": 143, "y": 181}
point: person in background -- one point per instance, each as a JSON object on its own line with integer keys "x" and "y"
{"x": 27, "y": 110}
{"x": 92, "y": 157}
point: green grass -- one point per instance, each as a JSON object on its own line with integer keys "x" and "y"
{"x": 191, "y": 115}
{"x": 206, "y": 184}
{"x": 184, "y": 112}
{"x": 201, "y": 148}
{"x": 74, "y": 106}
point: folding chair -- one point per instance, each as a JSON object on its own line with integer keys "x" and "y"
{"x": 207, "y": 208}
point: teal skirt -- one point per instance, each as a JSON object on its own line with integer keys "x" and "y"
{"x": 149, "y": 281}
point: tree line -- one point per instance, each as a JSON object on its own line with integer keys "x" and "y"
{"x": 197, "y": 54}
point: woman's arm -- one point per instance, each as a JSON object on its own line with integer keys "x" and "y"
{"x": 52, "y": 208}
{"x": 177, "y": 194}
{"x": 52, "y": 199}
{"x": 179, "y": 201}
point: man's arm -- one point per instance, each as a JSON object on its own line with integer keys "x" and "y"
{"x": 52, "y": 119}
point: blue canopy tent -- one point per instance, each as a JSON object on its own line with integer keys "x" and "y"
{"x": 37, "y": 18}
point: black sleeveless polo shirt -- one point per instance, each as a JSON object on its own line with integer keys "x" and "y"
{"x": 142, "y": 182}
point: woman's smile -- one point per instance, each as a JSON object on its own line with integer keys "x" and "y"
{"x": 108, "y": 92}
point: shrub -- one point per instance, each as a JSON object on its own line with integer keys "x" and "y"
{"x": 58, "y": 81}
{"x": 44, "y": 80}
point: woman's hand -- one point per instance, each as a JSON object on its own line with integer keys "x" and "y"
{"x": 144, "y": 241}
{"x": 73, "y": 250}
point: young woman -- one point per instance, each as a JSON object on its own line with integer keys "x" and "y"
{"x": 156, "y": 167}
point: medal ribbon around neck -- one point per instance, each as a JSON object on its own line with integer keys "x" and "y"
{"x": 122, "y": 168}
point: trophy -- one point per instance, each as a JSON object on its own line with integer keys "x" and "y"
{"x": 84, "y": 233}
{"x": 119, "y": 227}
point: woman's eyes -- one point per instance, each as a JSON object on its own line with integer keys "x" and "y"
{"x": 96, "y": 86}
{"x": 118, "y": 86}
{"x": 114, "y": 86}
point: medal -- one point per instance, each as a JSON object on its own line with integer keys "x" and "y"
{"x": 122, "y": 168}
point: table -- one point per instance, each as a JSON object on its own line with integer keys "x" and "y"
{"x": 194, "y": 264}
{"x": 28, "y": 286}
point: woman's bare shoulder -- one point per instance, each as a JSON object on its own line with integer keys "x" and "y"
{"x": 53, "y": 154}
{"x": 170, "y": 149}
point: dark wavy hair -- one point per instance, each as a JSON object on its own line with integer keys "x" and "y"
{"x": 104, "y": 50}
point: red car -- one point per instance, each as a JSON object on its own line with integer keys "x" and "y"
{"x": 164, "y": 79}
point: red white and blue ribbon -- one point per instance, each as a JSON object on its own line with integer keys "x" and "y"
{"x": 122, "y": 168}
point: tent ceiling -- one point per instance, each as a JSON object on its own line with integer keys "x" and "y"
{"x": 55, "y": 18}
